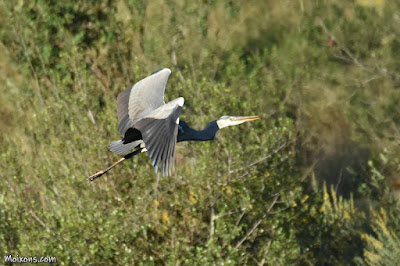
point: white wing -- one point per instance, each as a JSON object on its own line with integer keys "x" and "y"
{"x": 148, "y": 94}
{"x": 141, "y": 99}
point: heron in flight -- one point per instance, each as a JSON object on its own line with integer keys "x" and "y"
{"x": 147, "y": 123}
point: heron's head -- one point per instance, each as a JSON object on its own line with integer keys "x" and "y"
{"x": 227, "y": 121}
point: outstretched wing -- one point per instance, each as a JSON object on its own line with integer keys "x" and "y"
{"x": 159, "y": 131}
{"x": 122, "y": 108}
{"x": 141, "y": 99}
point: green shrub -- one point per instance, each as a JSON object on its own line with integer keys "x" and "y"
{"x": 328, "y": 113}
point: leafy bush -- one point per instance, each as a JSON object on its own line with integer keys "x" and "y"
{"x": 295, "y": 187}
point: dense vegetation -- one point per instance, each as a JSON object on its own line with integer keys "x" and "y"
{"x": 313, "y": 182}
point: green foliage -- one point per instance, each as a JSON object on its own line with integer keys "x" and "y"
{"x": 322, "y": 75}
{"x": 329, "y": 228}
{"x": 382, "y": 241}
{"x": 383, "y": 246}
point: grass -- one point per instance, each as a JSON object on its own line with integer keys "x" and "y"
{"x": 329, "y": 115}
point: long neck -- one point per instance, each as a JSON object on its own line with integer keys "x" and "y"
{"x": 187, "y": 133}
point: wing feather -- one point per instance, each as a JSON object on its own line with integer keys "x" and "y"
{"x": 158, "y": 147}
{"x": 159, "y": 131}
{"x": 148, "y": 94}
{"x": 157, "y": 155}
{"x": 124, "y": 122}
{"x": 141, "y": 99}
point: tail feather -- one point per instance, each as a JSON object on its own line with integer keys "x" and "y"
{"x": 120, "y": 148}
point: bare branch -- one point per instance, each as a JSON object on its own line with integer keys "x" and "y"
{"x": 216, "y": 217}
{"x": 383, "y": 72}
{"x": 22, "y": 40}
{"x": 258, "y": 222}
{"x": 41, "y": 222}
{"x": 262, "y": 262}
{"x": 273, "y": 202}
{"x": 250, "y": 232}
{"x": 175, "y": 61}
{"x": 212, "y": 228}
{"x": 240, "y": 217}
{"x": 91, "y": 117}
{"x": 262, "y": 159}
{"x": 344, "y": 48}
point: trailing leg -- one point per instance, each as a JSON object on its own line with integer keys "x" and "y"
{"x": 100, "y": 173}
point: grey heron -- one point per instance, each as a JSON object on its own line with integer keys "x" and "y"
{"x": 147, "y": 123}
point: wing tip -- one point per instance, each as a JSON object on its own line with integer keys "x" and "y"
{"x": 181, "y": 101}
{"x": 163, "y": 70}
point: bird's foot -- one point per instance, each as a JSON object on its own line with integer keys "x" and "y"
{"x": 96, "y": 175}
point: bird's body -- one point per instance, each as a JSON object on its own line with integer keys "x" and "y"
{"x": 147, "y": 123}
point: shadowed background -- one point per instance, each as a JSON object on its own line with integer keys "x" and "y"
{"x": 312, "y": 182}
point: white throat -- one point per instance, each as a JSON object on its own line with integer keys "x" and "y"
{"x": 223, "y": 123}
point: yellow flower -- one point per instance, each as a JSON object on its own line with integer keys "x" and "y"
{"x": 378, "y": 245}
{"x": 164, "y": 217}
{"x": 371, "y": 257}
{"x": 229, "y": 190}
{"x": 367, "y": 3}
{"x": 192, "y": 199}
{"x": 304, "y": 198}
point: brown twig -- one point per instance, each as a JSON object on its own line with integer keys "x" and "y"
{"x": 262, "y": 262}
{"x": 383, "y": 72}
{"x": 262, "y": 159}
{"x": 257, "y": 223}
{"x": 175, "y": 61}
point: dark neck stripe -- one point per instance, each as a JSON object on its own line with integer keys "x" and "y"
{"x": 187, "y": 133}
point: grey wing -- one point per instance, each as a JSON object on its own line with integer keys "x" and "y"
{"x": 148, "y": 94}
{"x": 124, "y": 122}
{"x": 159, "y": 131}
{"x": 141, "y": 99}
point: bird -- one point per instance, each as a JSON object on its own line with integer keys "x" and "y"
{"x": 148, "y": 124}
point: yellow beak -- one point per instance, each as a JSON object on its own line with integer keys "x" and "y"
{"x": 246, "y": 118}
